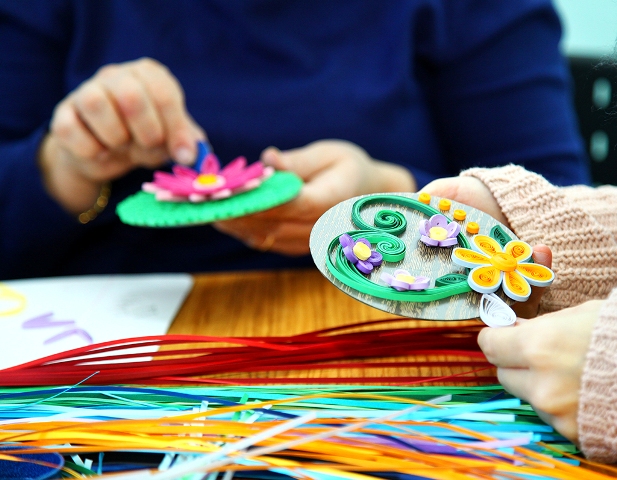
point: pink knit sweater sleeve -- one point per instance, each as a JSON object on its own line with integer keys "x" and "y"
{"x": 579, "y": 224}
{"x": 597, "y": 408}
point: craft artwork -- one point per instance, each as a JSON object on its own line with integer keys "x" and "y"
{"x": 426, "y": 258}
{"x": 208, "y": 193}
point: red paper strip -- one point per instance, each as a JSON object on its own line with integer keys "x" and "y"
{"x": 333, "y": 349}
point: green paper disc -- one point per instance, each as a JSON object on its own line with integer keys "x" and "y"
{"x": 390, "y": 222}
{"x": 143, "y": 210}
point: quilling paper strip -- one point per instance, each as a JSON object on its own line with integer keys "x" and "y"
{"x": 237, "y": 360}
{"x": 394, "y": 432}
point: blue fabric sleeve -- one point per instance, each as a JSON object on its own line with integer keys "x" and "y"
{"x": 31, "y": 221}
{"x": 36, "y": 234}
{"x": 507, "y": 72}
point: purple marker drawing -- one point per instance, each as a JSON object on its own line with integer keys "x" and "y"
{"x": 72, "y": 331}
{"x": 46, "y": 320}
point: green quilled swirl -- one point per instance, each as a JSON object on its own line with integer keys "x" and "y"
{"x": 387, "y": 224}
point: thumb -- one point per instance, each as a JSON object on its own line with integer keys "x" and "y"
{"x": 445, "y": 187}
{"x": 273, "y": 157}
{"x": 182, "y": 141}
{"x": 529, "y": 309}
{"x": 467, "y": 190}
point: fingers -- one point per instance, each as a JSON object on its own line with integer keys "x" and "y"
{"x": 306, "y": 162}
{"x": 73, "y": 134}
{"x": 529, "y": 309}
{"x": 98, "y": 112}
{"x": 333, "y": 171}
{"x": 287, "y": 238}
{"x": 325, "y": 167}
{"x": 447, "y": 188}
{"x": 467, "y": 190}
{"x": 138, "y": 103}
{"x": 504, "y": 347}
{"x": 136, "y": 106}
{"x": 168, "y": 100}
{"x": 518, "y": 381}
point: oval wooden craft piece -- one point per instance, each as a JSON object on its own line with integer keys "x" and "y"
{"x": 419, "y": 259}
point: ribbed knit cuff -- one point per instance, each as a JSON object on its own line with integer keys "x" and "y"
{"x": 540, "y": 213}
{"x": 597, "y": 412}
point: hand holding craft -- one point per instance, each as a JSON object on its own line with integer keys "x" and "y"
{"x": 333, "y": 171}
{"x": 456, "y": 262}
{"x": 470, "y": 191}
{"x": 127, "y": 115}
{"x": 542, "y": 360}
{"x": 208, "y": 192}
{"x": 473, "y": 192}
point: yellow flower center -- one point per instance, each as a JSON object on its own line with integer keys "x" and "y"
{"x": 438, "y": 233}
{"x": 403, "y": 277}
{"x": 504, "y": 262}
{"x": 361, "y": 251}
{"x": 206, "y": 179}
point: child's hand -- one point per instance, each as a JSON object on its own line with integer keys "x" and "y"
{"x": 542, "y": 360}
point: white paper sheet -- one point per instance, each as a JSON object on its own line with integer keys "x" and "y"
{"x": 73, "y": 310}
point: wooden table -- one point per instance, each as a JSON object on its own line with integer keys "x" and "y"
{"x": 267, "y": 303}
{"x": 280, "y": 303}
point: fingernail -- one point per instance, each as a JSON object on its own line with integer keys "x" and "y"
{"x": 271, "y": 156}
{"x": 541, "y": 257}
{"x": 184, "y": 156}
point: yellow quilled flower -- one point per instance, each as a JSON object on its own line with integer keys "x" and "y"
{"x": 493, "y": 266}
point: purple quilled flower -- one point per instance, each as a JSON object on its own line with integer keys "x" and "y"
{"x": 437, "y": 232}
{"x": 360, "y": 253}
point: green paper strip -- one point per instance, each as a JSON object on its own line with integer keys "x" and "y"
{"x": 349, "y": 275}
{"x": 500, "y": 235}
{"x": 387, "y": 224}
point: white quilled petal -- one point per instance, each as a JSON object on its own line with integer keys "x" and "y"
{"x": 495, "y": 312}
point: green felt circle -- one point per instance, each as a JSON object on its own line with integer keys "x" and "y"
{"x": 143, "y": 210}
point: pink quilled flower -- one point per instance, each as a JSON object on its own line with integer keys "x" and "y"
{"x": 210, "y": 183}
{"x": 360, "y": 253}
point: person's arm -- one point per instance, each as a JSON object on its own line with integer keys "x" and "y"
{"x": 127, "y": 115}
{"x": 597, "y": 412}
{"x": 59, "y": 149}
{"x": 563, "y": 363}
{"x": 577, "y": 223}
{"x": 499, "y": 90}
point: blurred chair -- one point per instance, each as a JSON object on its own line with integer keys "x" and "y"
{"x": 595, "y": 98}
